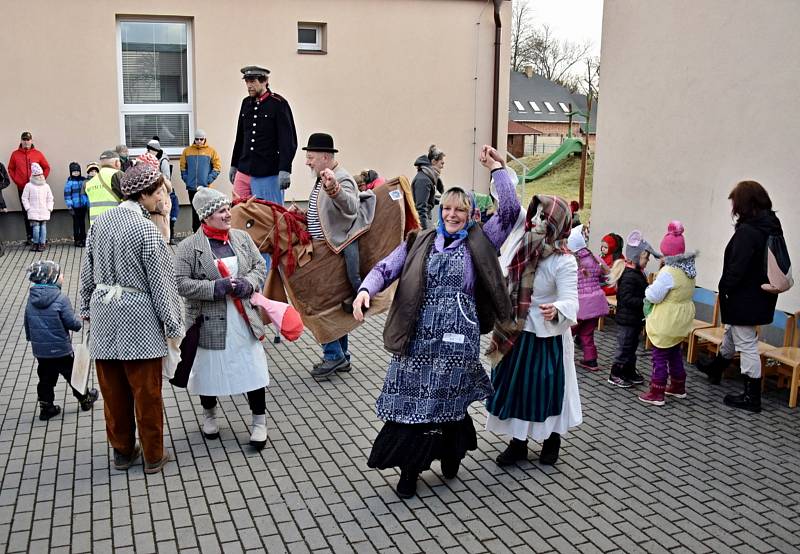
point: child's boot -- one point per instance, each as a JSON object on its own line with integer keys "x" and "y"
{"x": 632, "y": 374}
{"x": 517, "y": 450}
{"x": 618, "y": 377}
{"x": 258, "y": 437}
{"x": 88, "y": 401}
{"x": 48, "y": 410}
{"x": 550, "y": 447}
{"x": 655, "y": 395}
{"x": 676, "y": 388}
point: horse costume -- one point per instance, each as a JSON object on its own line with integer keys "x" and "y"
{"x": 309, "y": 274}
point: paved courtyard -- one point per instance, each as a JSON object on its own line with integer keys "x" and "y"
{"x": 693, "y": 476}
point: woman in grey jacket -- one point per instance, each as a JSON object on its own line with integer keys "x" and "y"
{"x": 427, "y": 182}
{"x": 218, "y": 269}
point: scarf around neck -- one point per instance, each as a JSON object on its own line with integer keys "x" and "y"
{"x": 214, "y": 233}
{"x": 542, "y": 238}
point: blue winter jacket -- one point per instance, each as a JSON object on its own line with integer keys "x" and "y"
{"x": 75, "y": 194}
{"x": 48, "y": 320}
{"x": 200, "y": 165}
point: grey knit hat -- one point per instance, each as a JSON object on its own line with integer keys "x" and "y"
{"x": 206, "y": 201}
{"x": 138, "y": 178}
{"x": 635, "y": 245}
{"x": 44, "y": 272}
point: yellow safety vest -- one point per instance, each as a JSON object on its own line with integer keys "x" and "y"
{"x": 101, "y": 197}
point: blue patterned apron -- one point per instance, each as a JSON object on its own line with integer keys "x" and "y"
{"x": 442, "y": 374}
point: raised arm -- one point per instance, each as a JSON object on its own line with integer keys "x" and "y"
{"x": 502, "y": 222}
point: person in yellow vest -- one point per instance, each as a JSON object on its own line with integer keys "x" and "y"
{"x": 103, "y": 189}
{"x": 670, "y": 319}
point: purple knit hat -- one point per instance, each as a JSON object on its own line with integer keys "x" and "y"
{"x": 673, "y": 244}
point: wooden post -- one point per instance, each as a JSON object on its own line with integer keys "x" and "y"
{"x": 585, "y": 148}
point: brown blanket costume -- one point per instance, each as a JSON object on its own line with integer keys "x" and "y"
{"x": 312, "y": 276}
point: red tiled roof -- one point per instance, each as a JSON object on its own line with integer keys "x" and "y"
{"x": 515, "y": 128}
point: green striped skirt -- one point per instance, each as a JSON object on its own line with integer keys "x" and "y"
{"x": 529, "y": 381}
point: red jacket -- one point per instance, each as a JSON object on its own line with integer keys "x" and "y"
{"x": 19, "y": 166}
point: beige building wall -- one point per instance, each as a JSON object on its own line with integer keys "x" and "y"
{"x": 399, "y": 75}
{"x": 696, "y": 97}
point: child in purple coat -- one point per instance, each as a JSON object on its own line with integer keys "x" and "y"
{"x": 592, "y": 304}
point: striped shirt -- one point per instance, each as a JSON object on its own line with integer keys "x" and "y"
{"x": 312, "y": 214}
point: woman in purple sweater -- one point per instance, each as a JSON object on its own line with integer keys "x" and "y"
{"x": 450, "y": 291}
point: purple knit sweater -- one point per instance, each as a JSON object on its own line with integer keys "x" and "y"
{"x": 496, "y": 229}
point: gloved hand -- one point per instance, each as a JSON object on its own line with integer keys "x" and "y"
{"x": 222, "y": 287}
{"x": 284, "y": 179}
{"x": 242, "y": 288}
{"x": 232, "y": 174}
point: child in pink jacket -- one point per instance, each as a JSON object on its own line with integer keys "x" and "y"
{"x": 37, "y": 200}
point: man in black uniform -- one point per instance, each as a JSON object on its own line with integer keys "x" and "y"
{"x": 266, "y": 141}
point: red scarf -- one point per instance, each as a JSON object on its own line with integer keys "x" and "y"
{"x": 214, "y": 233}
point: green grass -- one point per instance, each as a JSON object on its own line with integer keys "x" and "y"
{"x": 561, "y": 181}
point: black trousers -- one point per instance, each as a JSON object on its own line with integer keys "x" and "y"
{"x": 48, "y": 370}
{"x": 627, "y": 343}
{"x": 195, "y": 219}
{"x": 352, "y": 261}
{"x": 256, "y": 398}
{"x": 28, "y": 230}
{"x": 79, "y": 224}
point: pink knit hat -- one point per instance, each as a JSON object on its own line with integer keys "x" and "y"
{"x": 36, "y": 169}
{"x": 673, "y": 244}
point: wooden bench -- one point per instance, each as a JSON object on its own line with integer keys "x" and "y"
{"x": 786, "y": 358}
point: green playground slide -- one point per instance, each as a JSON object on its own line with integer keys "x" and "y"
{"x": 569, "y": 146}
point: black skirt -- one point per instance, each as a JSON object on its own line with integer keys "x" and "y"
{"x": 416, "y": 445}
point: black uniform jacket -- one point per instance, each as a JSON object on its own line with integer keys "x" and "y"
{"x": 266, "y": 139}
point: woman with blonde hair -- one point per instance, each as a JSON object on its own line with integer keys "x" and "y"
{"x": 450, "y": 291}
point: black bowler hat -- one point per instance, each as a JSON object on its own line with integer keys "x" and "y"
{"x": 320, "y": 142}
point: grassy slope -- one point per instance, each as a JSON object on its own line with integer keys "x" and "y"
{"x": 561, "y": 181}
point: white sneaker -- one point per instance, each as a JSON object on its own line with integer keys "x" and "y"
{"x": 258, "y": 437}
{"x": 210, "y": 427}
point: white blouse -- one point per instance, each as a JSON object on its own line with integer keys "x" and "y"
{"x": 555, "y": 282}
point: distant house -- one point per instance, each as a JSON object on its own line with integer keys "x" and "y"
{"x": 544, "y": 107}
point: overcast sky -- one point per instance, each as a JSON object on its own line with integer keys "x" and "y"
{"x": 576, "y": 20}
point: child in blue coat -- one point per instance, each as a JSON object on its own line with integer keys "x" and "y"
{"x": 48, "y": 320}
{"x": 77, "y": 202}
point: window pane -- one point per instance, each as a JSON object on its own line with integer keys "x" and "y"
{"x": 154, "y": 61}
{"x": 307, "y": 36}
{"x": 171, "y": 129}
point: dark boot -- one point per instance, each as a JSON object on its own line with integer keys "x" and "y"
{"x": 750, "y": 399}
{"x": 632, "y": 374}
{"x": 619, "y": 377}
{"x": 48, "y": 410}
{"x": 407, "y": 485}
{"x": 88, "y": 401}
{"x": 714, "y": 368}
{"x": 450, "y": 467}
{"x": 517, "y": 450}
{"x": 172, "y": 240}
{"x": 550, "y": 447}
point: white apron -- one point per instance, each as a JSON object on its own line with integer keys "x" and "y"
{"x": 241, "y": 367}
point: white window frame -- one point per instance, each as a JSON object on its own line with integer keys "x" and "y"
{"x": 319, "y": 28}
{"x": 520, "y": 106}
{"x": 564, "y": 107}
{"x": 165, "y": 109}
{"x": 535, "y": 106}
{"x": 549, "y": 107}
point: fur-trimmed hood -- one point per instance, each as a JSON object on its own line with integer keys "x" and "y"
{"x": 685, "y": 262}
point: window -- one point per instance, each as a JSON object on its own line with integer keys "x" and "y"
{"x": 311, "y": 38}
{"x": 549, "y": 107}
{"x": 155, "y": 84}
{"x": 535, "y": 106}
{"x": 520, "y": 107}
{"x": 564, "y": 107}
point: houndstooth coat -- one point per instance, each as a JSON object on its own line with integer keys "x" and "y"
{"x": 124, "y": 248}
{"x": 196, "y": 272}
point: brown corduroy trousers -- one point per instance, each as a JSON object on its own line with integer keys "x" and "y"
{"x": 132, "y": 396}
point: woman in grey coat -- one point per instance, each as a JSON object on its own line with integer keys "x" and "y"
{"x": 218, "y": 269}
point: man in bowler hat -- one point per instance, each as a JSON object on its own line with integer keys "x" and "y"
{"x": 338, "y": 214}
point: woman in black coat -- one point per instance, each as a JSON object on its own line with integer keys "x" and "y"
{"x": 743, "y": 303}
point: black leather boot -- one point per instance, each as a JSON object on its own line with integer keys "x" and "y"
{"x": 750, "y": 399}
{"x": 714, "y": 368}
{"x": 48, "y": 410}
{"x": 550, "y": 448}
{"x": 407, "y": 485}
{"x": 517, "y": 450}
